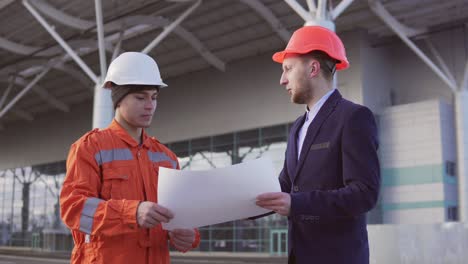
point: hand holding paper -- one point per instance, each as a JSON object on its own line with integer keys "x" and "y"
{"x": 150, "y": 214}
{"x": 279, "y": 202}
{"x": 182, "y": 239}
{"x": 201, "y": 198}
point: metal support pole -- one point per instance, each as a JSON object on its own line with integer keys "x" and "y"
{"x": 116, "y": 51}
{"x": 100, "y": 34}
{"x": 32, "y": 197}
{"x": 3, "y": 198}
{"x": 170, "y": 28}
{"x": 319, "y": 17}
{"x": 439, "y": 59}
{"x": 210, "y": 237}
{"x": 12, "y": 215}
{"x": 340, "y": 8}
{"x": 234, "y": 236}
{"x": 62, "y": 42}
{"x": 322, "y": 10}
{"x": 24, "y": 91}
{"x": 103, "y": 108}
{"x": 7, "y": 91}
{"x": 311, "y": 5}
{"x": 45, "y": 203}
{"x": 461, "y": 118}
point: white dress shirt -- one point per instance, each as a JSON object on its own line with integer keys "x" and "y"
{"x": 311, "y": 113}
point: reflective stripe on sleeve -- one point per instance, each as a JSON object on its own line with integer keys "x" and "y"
{"x": 87, "y": 215}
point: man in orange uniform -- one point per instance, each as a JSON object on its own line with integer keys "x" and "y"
{"x": 109, "y": 197}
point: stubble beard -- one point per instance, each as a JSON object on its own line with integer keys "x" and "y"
{"x": 299, "y": 97}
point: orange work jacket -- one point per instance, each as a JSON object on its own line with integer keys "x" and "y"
{"x": 108, "y": 175}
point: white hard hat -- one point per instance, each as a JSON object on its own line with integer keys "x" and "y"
{"x": 133, "y": 68}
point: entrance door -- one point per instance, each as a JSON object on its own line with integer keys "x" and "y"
{"x": 279, "y": 242}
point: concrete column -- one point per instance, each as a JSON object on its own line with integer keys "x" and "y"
{"x": 103, "y": 111}
{"x": 461, "y": 113}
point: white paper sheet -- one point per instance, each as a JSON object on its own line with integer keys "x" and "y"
{"x": 201, "y": 198}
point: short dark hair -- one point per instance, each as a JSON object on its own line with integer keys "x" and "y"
{"x": 327, "y": 63}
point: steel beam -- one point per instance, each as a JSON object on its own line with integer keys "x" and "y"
{"x": 61, "y": 17}
{"x": 321, "y": 13}
{"x": 137, "y": 25}
{"x": 440, "y": 60}
{"x": 24, "y": 91}
{"x": 100, "y": 35}
{"x": 75, "y": 73}
{"x": 117, "y": 46}
{"x": 171, "y": 27}
{"x": 11, "y": 83}
{"x": 44, "y": 95}
{"x": 18, "y": 48}
{"x": 62, "y": 42}
{"x": 266, "y": 13}
{"x": 311, "y": 5}
{"x": 336, "y": 12}
{"x": 200, "y": 48}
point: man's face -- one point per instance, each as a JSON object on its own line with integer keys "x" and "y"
{"x": 295, "y": 79}
{"x": 137, "y": 109}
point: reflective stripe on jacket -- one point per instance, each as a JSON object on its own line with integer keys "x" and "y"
{"x": 108, "y": 175}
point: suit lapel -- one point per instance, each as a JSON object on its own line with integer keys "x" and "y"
{"x": 293, "y": 143}
{"x": 314, "y": 128}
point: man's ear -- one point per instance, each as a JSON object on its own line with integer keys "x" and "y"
{"x": 314, "y": 68}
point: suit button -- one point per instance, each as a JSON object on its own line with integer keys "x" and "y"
{"x": 296, "y": 188}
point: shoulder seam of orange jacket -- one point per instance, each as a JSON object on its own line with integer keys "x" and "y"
{"x": 84, "y": 208}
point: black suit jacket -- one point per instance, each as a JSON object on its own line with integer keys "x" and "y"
{"x": 333, "y": 184}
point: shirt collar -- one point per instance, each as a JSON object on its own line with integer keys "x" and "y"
{"x": 123, "y": 134}
{"x": 318, "y": 104}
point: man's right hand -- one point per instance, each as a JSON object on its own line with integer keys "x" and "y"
{"x": 151, "y": 214}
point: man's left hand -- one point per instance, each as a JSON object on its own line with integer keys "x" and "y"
{"x": 182, "y": 239}
{"x": 279, "y": 202}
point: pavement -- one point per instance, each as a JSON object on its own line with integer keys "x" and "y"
{"x": 27, "y": 256}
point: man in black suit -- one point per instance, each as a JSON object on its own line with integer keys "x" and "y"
{"x": 331, "y": 173}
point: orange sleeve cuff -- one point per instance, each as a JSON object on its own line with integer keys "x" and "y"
{"x": 129, "y": 213}
{"x": 196, "y": 242}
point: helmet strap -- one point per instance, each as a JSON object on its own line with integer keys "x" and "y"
{"x": 331, "y": 66}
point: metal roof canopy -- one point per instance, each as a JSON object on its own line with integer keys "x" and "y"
{"x": 50, "y": 42}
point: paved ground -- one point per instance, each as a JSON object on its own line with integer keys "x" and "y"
{"x": 4, "y": 259}
{"x": 8, "y": 259}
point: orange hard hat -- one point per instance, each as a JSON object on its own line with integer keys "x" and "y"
{"x": 310, "y": 38}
